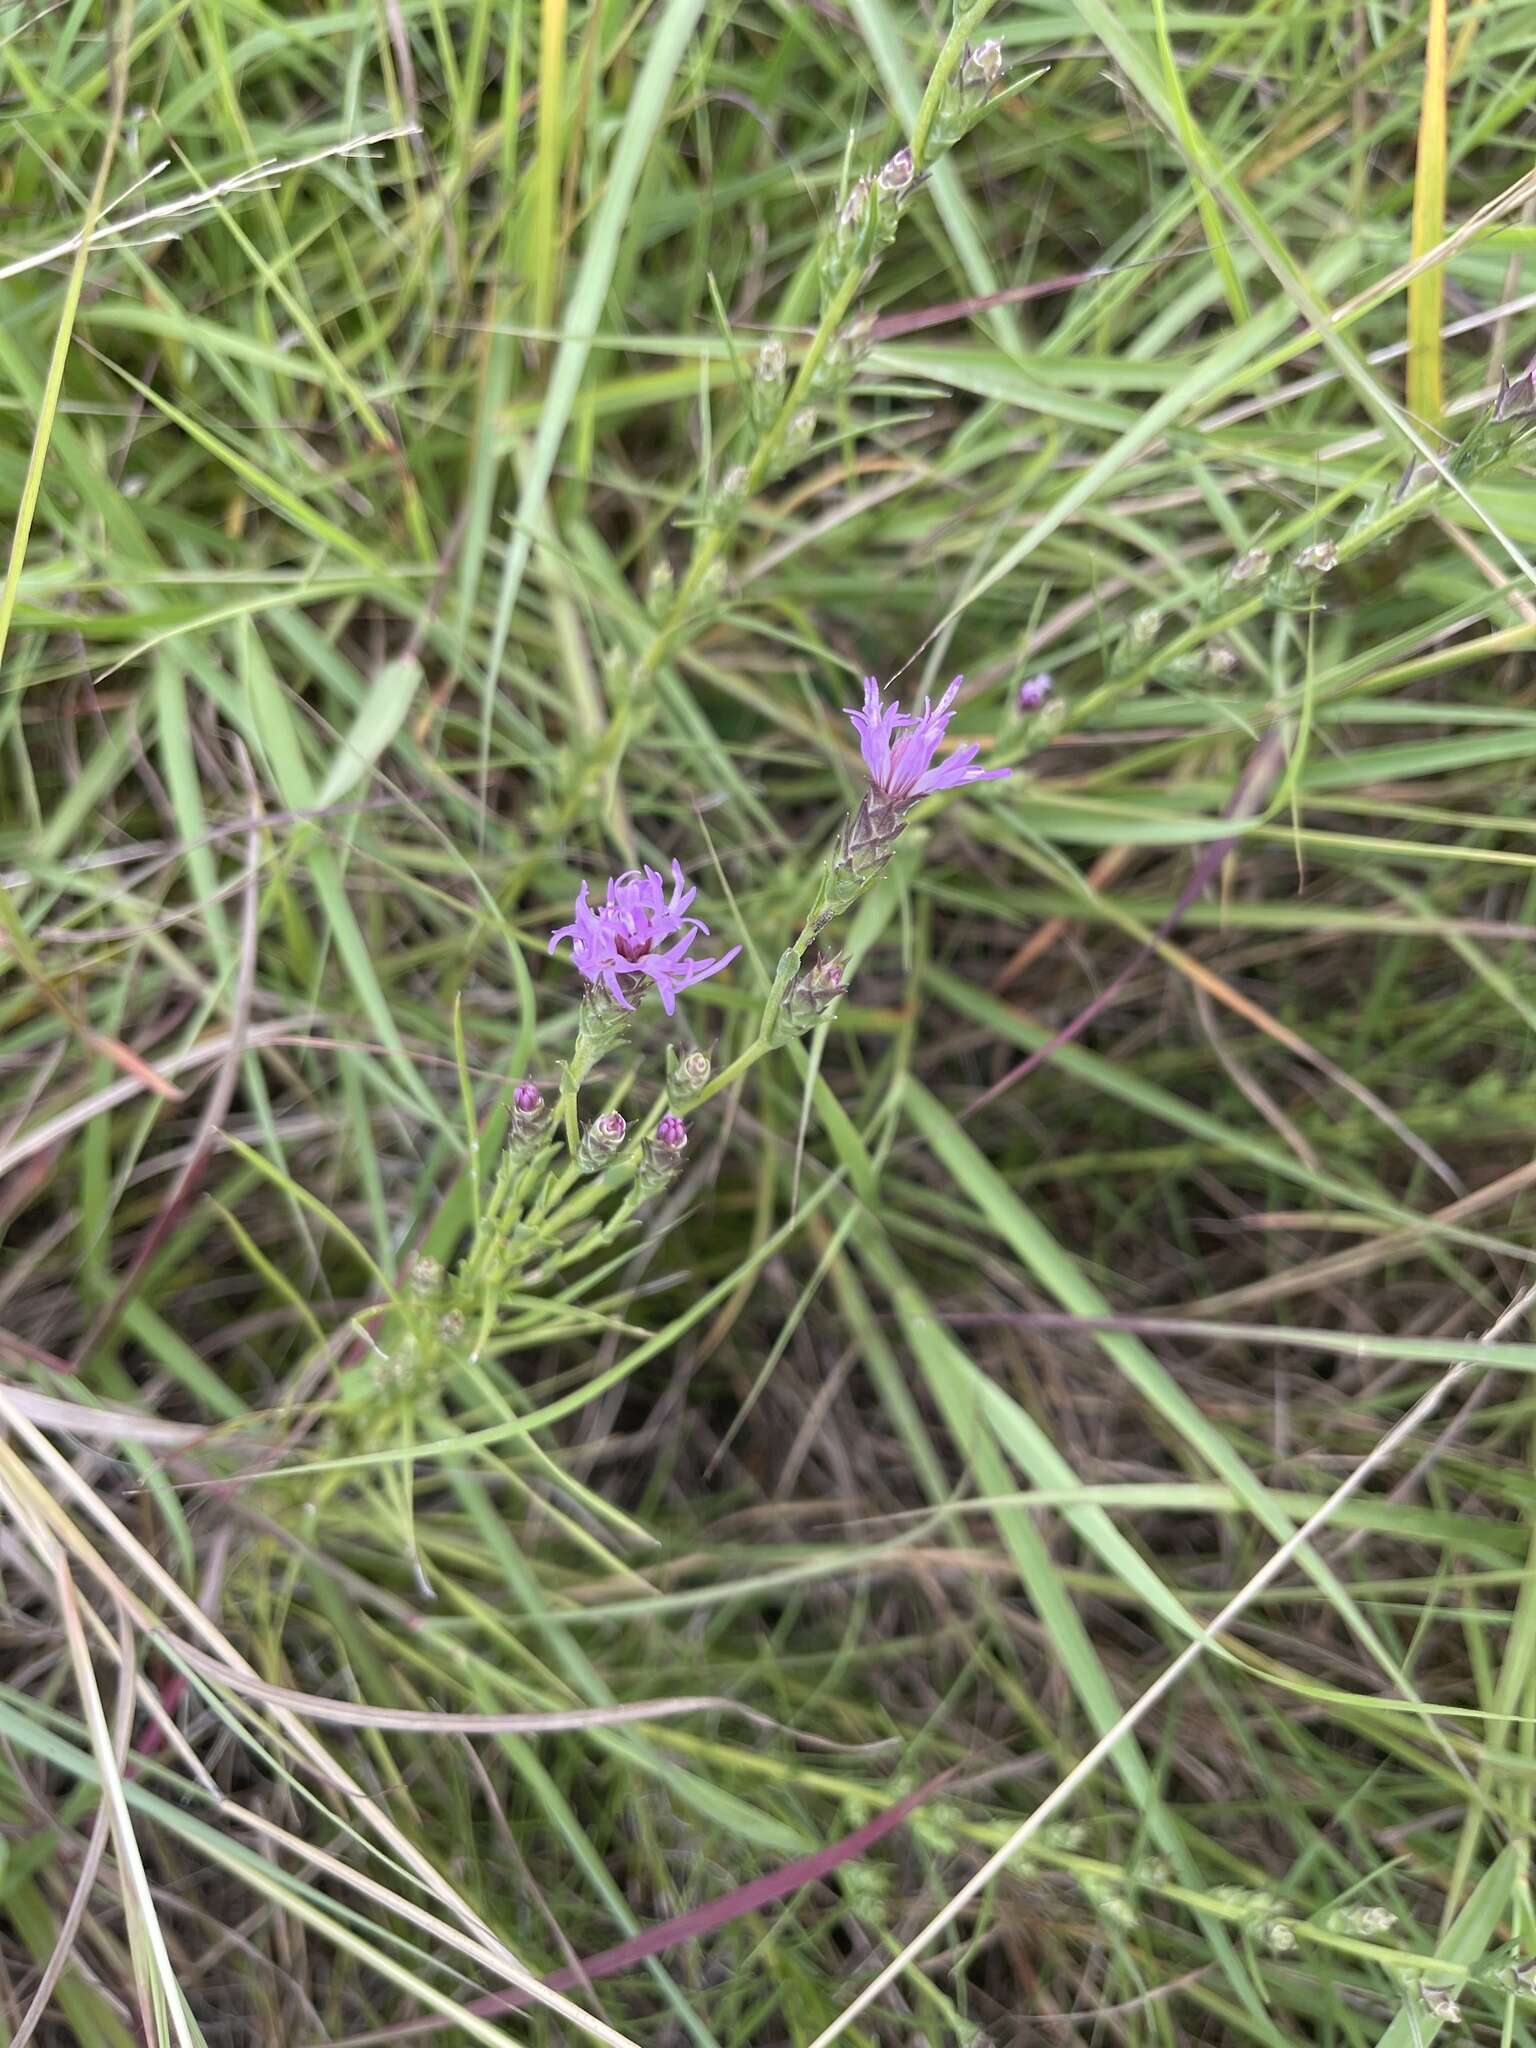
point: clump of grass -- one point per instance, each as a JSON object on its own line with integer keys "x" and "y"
{"x": 404, "y": 531}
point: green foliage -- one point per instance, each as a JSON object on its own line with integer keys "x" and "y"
{"x": 450, "y": 451}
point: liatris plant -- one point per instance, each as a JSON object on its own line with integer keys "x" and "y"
{"x": 557, "y": 1175}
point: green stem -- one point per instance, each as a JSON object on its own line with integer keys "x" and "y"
{"x": 1358, "y": 540}
{"x": 953, "y": 52}
{"x": 569, "y": 1089}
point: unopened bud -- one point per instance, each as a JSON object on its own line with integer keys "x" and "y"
{"x": 813, "y": 993}
{"x": 659, "y": 587}
{"x": 983, "y": 66}
{"x": 772, "y": 362}
{"x": 851, "y": 215}
{"x": 1440, "y": 2004}
{"x": 713, "y": 583}
{"x": 1145, "y": 627}
{"x": 733, "y": 485}
{"x": 1363, "y": 1921}
{"x": 1251, "y": 567}
{"x": 601, "y": 1141}
{"x": 662, "y": 1158}
{"x": 426, "y": 1274}
{"x": 896, "y": 174}
{"x": 530, "y": 1118}
{"x": 800, "y": 432}
{"x": 1515, "y": 401}
{"x": 1034, "y": 690}
{"x": 1320, "y": 559}
{"x": 687, "y": 1075}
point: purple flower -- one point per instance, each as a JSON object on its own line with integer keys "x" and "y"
{"x": 1034, "y": 690}
{"x": 672, "y": 1133}
{"x": 898, "y": 749}
{"x": 526, "y": 1099}
{"x": 638, "y": 930}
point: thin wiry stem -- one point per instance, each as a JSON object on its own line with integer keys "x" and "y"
{"x": 1084, "y": 1769}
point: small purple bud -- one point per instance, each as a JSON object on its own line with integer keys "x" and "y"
{"x": 662, "y": 1159}
{"x": 610, "y": 1127}
{"x": 1034, "y": 690}
{"x": 897, "y": 174}
{"x": 983, "y": 66}
{"x": 530, "y": 1120}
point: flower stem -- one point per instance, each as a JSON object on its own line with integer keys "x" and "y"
{"x": 965, "y": 25}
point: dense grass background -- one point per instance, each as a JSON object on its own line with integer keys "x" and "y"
{"x": 345, "y": 490}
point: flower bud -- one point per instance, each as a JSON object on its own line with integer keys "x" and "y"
{"x": 851, "y": 215}
{"x": 1320, "y": 559}
{"x": 426, "y": 1275}
{"x": 1439, "y": 2003}
{"x": 530, "y": 1118}
{"x": 772, "y": 362}
{"x": 813, "y": 993}
{"x": 687, "y": 1075}
{"x": 1362, "y": 1921}
{"x": 800, "y": 432}
{"x": 1515, "y": 401}
{"x": 733, "y": 485}
{"x": 662, "y": 1159}
{"x": 896, "y": 175}
{"x": 983, "y": 66}
{"x": 601, "y": 1142}
{"x": 1251, "y": 567}
{"x": 1034, "y": 690}
{"x": 659, "y": 586}
{"x": 1145, "y": 627}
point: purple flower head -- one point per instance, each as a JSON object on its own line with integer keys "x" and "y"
{"x": 527, "y": 1099}
{"x": 672, "y": 1133}
{"x": 609, "y": 1127}
{"x": 898, "y": 749}
{"x": 1034, "y": 690}
{"x": 638, "y": 930}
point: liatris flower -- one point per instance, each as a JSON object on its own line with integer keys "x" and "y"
{"x": 1034, "y": 690}
{"x": 637, "y": 932}
{"x": 601, "y": 1141}
{"x": 900, "y": 763}
{"x": 898, "y": 749}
